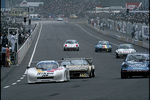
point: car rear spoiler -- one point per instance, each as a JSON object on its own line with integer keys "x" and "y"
{"x": 89, "y": 60}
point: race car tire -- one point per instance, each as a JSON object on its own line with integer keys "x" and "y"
{"x": 92, "y": 74}
{"x": 78, "y": 49}
{"x": 117, "y": 56}
{"x": 96, "y": 50}
{"x": 123, "y": 75}
{"x": 109, "y": 50}
{"x": 64, "y": 49}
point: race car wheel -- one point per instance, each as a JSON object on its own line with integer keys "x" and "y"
{"x": 96, "y": 50}
{"x": 78, "y": 49}
{"x": 64, "y": 49}
{"x": 92, "y": 74}
{"x": 117, "y": 56}
{"x": 123, "y": 75}
{"x": 109, "y": 50}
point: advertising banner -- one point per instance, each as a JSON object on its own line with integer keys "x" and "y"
{"x": 132, "y": 6}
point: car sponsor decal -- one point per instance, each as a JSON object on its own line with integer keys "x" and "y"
{"x": 39, "y": 71}
{"x": 104, "y": 46}
{"x": 44, "y": 74}
{"x": 55, "y": 70}
{"x": 83, "y": 75}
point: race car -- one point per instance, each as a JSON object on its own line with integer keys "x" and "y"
{"x": 124, "y": 49}
{"x": 79, "y": 67}
{"x": 71, "y": 45}
{"x": 135, "y": 64}
{"x": 103, "y": 46}
{"x": 47, "y": 71}
{"x": 60, "y": 19}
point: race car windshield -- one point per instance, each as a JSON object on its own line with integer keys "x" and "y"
{"x": 47, "y": 65}
{"x": 70, "y": 42}
{"x": 137, "y": 58}
{"x": 125, "y": 47}
{"x": 65, "y": 63}
{"x": 103, "y": 43}
{"x": 79, "y": 62}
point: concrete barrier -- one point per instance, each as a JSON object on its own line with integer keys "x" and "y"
{"x": 24, "y": 48}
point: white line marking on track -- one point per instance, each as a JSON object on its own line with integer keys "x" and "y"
{"x": 29, "y": 61}
{"x": 18, "y": 80}
{"x": 93, "y": 35}
{"x": 23, "y": 75}
{"x": 6, "y": 87}
{"x": 22, "y": 78}
{"x": 35, "y": 46}
{"x": 13, "y": 83}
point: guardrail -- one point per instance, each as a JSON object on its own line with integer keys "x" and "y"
{"x": 24, "y": 48}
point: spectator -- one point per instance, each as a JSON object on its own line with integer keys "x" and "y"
{"x": 3, "y": 51}
{"x": 13, "y": 41}
{"x": 4, "y": 40}
{"x": 8, "y": 62}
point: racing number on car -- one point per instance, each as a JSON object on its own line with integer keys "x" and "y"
{"x": 83, "y": 75}
{"x": 44, "y": 74}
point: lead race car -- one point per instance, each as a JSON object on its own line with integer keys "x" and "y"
{"x": 103, "y": 46}
{"x": 71, "y": 45}
{"x": 136, "y": 64}
{"x": 79, "y": 67}
{"x": 47, "y": 71}
{"x": 124, "y": 49}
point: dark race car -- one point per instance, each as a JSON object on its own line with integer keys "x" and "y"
{"x": 79, "y": 67}
{"x": 103, "y": 46}
{"x": 136, "y": 64}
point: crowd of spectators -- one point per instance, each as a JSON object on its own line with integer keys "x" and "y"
{"x": 9, "y": 38}
{"x": 137, "y": 17}
{"x": 67, "y": 7}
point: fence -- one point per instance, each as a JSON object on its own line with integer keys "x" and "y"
{"x": 138, "y": 31}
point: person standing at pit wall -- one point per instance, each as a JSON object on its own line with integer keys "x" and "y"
{"x": 3, "y": 49}
{"x": 8, "y": 62}
{"x": 13, "y": 41}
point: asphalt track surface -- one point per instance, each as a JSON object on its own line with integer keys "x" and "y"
{"x": 107, "y": 85}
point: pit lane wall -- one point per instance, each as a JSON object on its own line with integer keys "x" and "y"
{"x": 24, "y": 48}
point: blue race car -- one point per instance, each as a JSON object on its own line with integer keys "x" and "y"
{"x": 103, "y": 46}
{"x": 135, "y": 64}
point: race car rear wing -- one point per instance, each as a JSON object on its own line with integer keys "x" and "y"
{"x": 89, "y": 60}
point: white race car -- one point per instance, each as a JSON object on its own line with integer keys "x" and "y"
{"x": 47, "y": 71}
{"x": 124, "y": 50}
{"x": 60, "y": 19}
{"x": 71, "y": 45}
{"x": 79, "y": 67}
